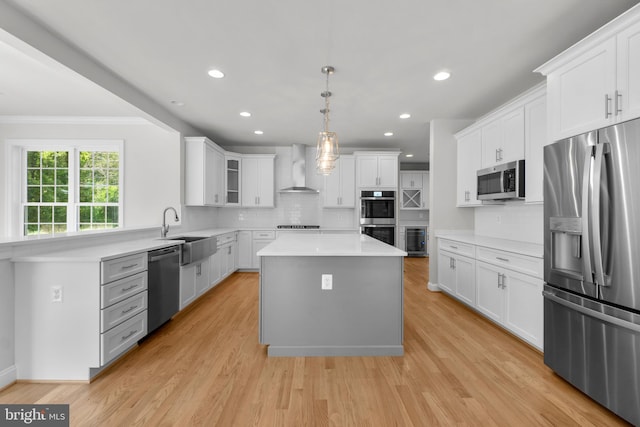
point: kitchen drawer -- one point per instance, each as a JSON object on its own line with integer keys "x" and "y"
{"x": 264, "y": 235}
{"x": 118, "y": 268}
{"x": 457, "y": 247}
{"x": 122, "y": 337}
{"x": 226, "y": 238}
{"x": 122, "y": 289}
{"x": 523, "y": 263}
{"x": 118, "y": 313}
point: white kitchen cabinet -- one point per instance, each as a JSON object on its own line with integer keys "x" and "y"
{"x": 535, "y": 125}
{"x": 232, "y": 181}
{"x": 414, "y": 190}
{"x": 260, "y": 239}
{"x": 377, "y": 170}
{"x": 458, "y": 276}
{"x": 194, "y": 281}
{"x": 402, "y": 245}
{"x": 224, "y": 261}
{"x": 204, "y": 172}
{"x": 340, "y": 184}
{"x": 512, "y": 299}
{"x": 469, "y": 149}
{"x": 595, "y": 83}
{"x": 503, "y": 139}
{"x": 245, "y": 258}
{"x": 258, "y": 181}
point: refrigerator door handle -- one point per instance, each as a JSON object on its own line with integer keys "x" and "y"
{"x": 586, "y": 208}
{"x": 592, "y": 313}
{"x": 595, "y": 214}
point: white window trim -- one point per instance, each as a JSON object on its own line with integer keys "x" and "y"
{"x": 14, "y": 159}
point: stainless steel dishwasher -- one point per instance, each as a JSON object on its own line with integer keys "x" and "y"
{"x": 163, "y": 286}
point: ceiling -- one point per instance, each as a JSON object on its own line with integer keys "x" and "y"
{"x": 385, "y": 54}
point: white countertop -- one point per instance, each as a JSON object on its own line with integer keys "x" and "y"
{"x": 329, "y": 245}
{"x": 523, "y": 248}
{"x": 99, "y": 252}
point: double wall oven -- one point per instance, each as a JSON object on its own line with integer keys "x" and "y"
{"x": 378, "y": 215}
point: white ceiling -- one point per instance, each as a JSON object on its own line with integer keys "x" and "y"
{"x": 385, "y": 54}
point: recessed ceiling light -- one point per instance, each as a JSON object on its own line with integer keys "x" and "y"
{"x": 216, "y": 74}
{"x": 245, "y": 114}
{"x": 178, "y": 103}
{"x": 388, "y": 134}
{"x": 408, "y": 155}
{"x": 405, "y": 115}
{"x": 258, "y": 132}
{"x": 442, "y": 75}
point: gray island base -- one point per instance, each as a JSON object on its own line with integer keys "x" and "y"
{"x": 360, "y": 315}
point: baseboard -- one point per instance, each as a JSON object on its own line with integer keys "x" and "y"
{"x": 433, "y": 287}
{"x": 8, "y": 377}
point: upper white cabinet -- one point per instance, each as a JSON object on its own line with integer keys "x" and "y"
{"x": 503, "y": 139}
{"x": 340, "y": 185}
{"x": 377, "y": 169}
{"x": 204, "y": 172}
{"x": 596, "y": 82}
{"x": 232, "y": 181}
{"x": 469, "y": 148}
{"x": 517, "y": 130}
{"x": 414, "y": 190}
{"x": 258, "y": 180}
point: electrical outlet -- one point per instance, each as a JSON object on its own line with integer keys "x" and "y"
{"x": 327, "y": 282}
{"x": 56, "y": 294}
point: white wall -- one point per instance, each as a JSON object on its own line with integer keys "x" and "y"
{"x": 443, "y": 213}
{"x": 151, "y": 165}
{"x": 7, "y": 316}
{"x": 513, "y": 221}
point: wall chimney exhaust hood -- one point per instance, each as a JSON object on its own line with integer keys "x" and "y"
{"x": 298, "y": 171}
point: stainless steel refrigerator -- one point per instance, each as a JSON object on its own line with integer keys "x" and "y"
{"x": 592, "y": 265}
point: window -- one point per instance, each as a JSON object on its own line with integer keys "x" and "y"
{"x": 70, "y": 187}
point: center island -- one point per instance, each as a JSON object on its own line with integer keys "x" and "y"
{"x": 331, "y": 295}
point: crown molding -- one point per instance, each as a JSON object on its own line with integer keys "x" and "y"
{"x": 74, "y": 120}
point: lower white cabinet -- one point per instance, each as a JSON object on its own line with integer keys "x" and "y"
{"x": 194, "y": 281}
{"x": 224, "y": 261}
{"x": 456, "y": 275}
{"x": 512, "y": 299}
{"x": 260, "y": 239}
{"x": 505, "y": 287}
{"x": 244, "y": 249}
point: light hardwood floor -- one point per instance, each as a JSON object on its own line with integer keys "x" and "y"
{"x": 206, "y": 368}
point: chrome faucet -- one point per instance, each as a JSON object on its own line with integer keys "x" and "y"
{"x": 165, "y": 226}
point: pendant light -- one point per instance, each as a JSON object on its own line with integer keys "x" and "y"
{"x": 327, "y": 147}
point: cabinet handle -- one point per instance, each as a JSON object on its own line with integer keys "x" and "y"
{"x": 199, "y": 270}
{"x": 502, "y": 259}
{"x": 130, "y": 309}
{"x": 500, "y": 280}
{"x": 618, "y": 103}
{"x": 215, "y": 198}
{"x": 229, "y": 252}
{"x": 129, "y": 288}
{"x": 607, "y": 101}
{"x": 126, "y": 267}
{"x": 497, "y": 155}
{"x": 453, "y": 247}
{"x": 129, "y": 335}
{"x": 500, "y": 151}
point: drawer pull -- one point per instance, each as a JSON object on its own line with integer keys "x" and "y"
{"x": 502, "y": 259}
{"x": 129, "y": 288}
{"x": 130, "y": 309}
{"x": 129, "y": 335}
{"x": 453, "y": 247}
{"x": 126, "y": 267}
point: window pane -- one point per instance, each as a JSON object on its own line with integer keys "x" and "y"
{"x": 62, "y": 176}
{"x": 99, "y": 177}
{"x": 46, "y": 229}
{"x": 48, "y": 194}
{"x": 86, "y": 176}
{"x": 33, "y": 194}
{"x": 60, "y": 228}
{"x": 46, "y": 214}
{"x": 62, "y": 159}
{"x": 85, "y": 213}
{"x": 114, "y": 177}
{"x": 60, "y": 214}
{"x": 33, "y": 159}
{"x": 32, "y": 229}
{"x": 62, "y": 194}
{"x": 114, "y": 161}
{"x": 33, "y": 176}
{"x": 86, "y": 194}
{"x": 114, "y": 194}
{"x": 112, "y": 214}
{"x": 48, "y": 176}
{"x": 85, "y": 159}
{"x": 100, "y": 195}
{"x": 31, "y": 214}
{"x": 48, "y": 159}
{"x": 98, "y": 214}
{"x": 100, "y": 160}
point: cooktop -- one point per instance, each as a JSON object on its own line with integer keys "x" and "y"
{"x": 299, "y": 226}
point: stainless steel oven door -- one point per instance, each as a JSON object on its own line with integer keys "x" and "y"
{"x": 384, "y": 233}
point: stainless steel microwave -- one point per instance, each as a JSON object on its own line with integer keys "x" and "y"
{"x": 505, "y": 181}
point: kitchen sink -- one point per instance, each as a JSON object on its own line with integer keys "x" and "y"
{"x": 196, "y": 248}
